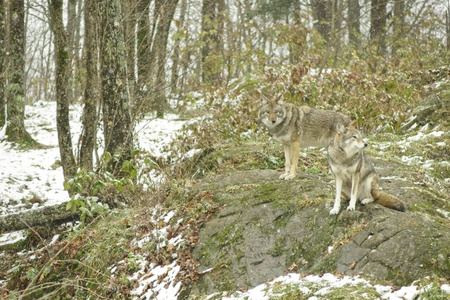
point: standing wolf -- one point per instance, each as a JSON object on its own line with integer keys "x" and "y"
{"x": 297, "y": 127}
{"x": 354, "y": 173}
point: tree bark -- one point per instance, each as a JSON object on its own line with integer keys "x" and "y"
{"x": 212, "y": 21}
{"x": 117, "y": 124}
{"x": 62, "y": 73}
{"x": 2, "y": 64}
{"x": 129, "y": 11}
{"x": 142, "y": 16}
{"x": 89, "y": 118}
{"x": 71, "y": 31}
{"x": 322, "y": 15}
{"x": 45, "y": 216}
{"x": 165, "y": 14}
{"x": 353, "y": 22}
{"x": 378, "y": 25}
{"x": 399, "y": 24}
{"x": 176, "y": 49}
{"x": 15, "y": 129}
{"x": 447, "y": 27}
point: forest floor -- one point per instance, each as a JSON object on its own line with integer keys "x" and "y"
{"x": 33, "y": 178}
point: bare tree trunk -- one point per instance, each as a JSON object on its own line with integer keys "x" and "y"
{"x": 297, "y": 44}
{"x": 89, "y": 119}
{"x": 62, "y": 63}
{"x": 79, "y": 79}
{"x": 144, "y": 47}
{"x": 336, "y": 31}
{"x": 186, "y": 57}
{"x": 2, "y": 64}
{"x": 399, "y": 24}
{"x": 353, "y": 22}
{"x": 447, "y": 23}
{"x": 165, "y": 15}
{"x": 15, "y": 129}
{"x": 322, "y": 15}
{"x": 129, "y": 11}
{"x": 71, "y": 30}
{"x": 48, "y": 87}
{"x": 378, "y": 25}
{"x": 212, "y": 31}
{"x": 176, "y": 49}
{"x": 117, "y": 124}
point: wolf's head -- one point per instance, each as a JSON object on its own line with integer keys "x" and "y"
{"x": 350, "y": 138}
{"x": 272, "y": 112}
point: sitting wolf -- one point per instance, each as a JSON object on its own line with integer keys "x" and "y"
{"x": 354, "y": 173}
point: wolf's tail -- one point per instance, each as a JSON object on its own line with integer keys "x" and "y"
{"x": 390, "y": 201}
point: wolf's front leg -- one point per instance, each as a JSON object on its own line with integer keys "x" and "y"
{"x": 337, "y": 200}
{"x": 293, "y": 157}
{"x": 287, "y": 161}
{"x": 354, "y": 191}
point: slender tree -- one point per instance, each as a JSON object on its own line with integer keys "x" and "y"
{"x": 212, "y": 16}
{"x": 71, "y": 33}
{"x": 353, "y": 22}
{"x": 142, "y": 15}
{"x": 322, "y": 15}
{"x": 117, "y": 124}
{"x": 177, "y": 48}
{"x": 62, "y": 74}
{"x": 165, "y": 10}
{"x": 399, "y": 23}
{"x": 378, "y": 25}
{"x": 15, "y": 129}
{"x": 130, "y": 12}
{"x": 447, "y": 27}
{"x": 2, "y": 64}
{"x": 89, "y": 119}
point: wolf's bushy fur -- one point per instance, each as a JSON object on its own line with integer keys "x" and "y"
{"x": 296, "y": 127}
{"x": 355, "y": 175}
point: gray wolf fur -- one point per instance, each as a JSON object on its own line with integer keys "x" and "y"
{"x": 297, "y": 127}
{"x": 355, "y": 175}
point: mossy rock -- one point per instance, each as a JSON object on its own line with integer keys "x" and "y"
{"x": 268, "y": 227}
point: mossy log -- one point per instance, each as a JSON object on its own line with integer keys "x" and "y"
{"x": 44, "y": 216}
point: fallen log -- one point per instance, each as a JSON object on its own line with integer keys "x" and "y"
{"x": 44, "y": 216}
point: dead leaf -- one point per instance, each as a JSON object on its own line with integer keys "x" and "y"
{"x": 293, "y": 267}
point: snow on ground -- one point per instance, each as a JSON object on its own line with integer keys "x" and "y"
{"x": 423, "y": 135}
{"x": 34, "y": 178}
{"x": 316, "y": 287}
{"x": 157, "y": 281}
{"x": 34, "y": 174}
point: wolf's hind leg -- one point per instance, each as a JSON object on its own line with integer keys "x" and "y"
{"x": 287, "y": 161}
{"x": 367, "y": 194}
{"x": 367, "y": 200}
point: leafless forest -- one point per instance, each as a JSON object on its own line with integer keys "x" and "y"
{"x": 122, "y": 59}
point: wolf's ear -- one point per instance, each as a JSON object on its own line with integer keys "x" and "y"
{"x": 354, "y": 124}
{"x": 340, "y": 128}
{"x": 279, "y": 100}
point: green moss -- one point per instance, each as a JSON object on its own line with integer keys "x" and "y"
{"x": 288, "y": 292}
{"x": 353, "y": 292}
{"x": 279, "y": 247}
